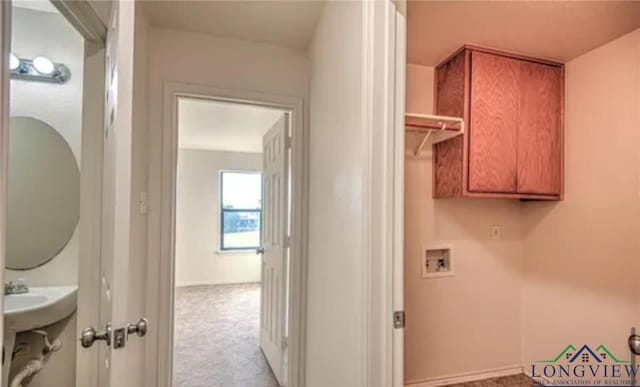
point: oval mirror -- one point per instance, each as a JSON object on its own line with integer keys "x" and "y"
{"x": 44, "y": 193}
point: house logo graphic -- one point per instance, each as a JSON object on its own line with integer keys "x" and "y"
{"x": 585, "y": 354}
{"x": 585, "y": 366}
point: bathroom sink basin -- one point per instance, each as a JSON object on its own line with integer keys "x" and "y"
{"x": 12, "y": 304}
{"x": 40, "y": 307}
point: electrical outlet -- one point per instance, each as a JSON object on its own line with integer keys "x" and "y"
{"x": 496, "y": 232}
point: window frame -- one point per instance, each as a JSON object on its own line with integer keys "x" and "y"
{"x": 221, "y": 246}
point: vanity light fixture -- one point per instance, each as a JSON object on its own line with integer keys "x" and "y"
{"x": 14, "y": 62}
{"x": 43, "y": 65}
{"x": 40, "y": 69}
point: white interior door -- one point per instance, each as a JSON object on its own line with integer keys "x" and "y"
{"x": 273, "y": 307}
{"x": 116, "y": 358}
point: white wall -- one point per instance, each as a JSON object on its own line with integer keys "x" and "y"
{"x": 338, "y": 159}
{"x": 222, "y": 62}
{"x": 44, "y": 33}
{"x": 582, "y": 267}
{"x": 453, "y": 322}
{"x": 198, "y": 259}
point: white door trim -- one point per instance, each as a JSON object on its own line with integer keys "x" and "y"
{"x": 5, "y": 47}
{"x": 160, "y": 273}
{"x": 397, "y": 277}
{"x": 384, "y": 66}
{"x": 84, "y": 18}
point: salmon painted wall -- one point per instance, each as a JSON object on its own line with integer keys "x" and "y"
{"x": 583, "y": 255}
{"x": 471, "y": 323}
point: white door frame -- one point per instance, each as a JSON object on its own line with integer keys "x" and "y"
{"x": 384, "y": 82}
{"x": 398, "y": 196}
{"x": 161, "y": 268}
{"x": 5, "y": 48}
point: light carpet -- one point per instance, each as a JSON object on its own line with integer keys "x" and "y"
{"x": 217, "y": 337}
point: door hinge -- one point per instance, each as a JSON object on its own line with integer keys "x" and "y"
{"x": 398, "y": 319}
{"x": 287, "y": 142}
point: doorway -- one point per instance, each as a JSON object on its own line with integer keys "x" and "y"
{"x": 231, "y": 258}
{"x": 55, "y": 168}
{"x": 282, "y": 327}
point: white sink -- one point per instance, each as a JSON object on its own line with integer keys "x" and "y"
{"x": 40, "y": 307}
{"x": 14, "y": 304}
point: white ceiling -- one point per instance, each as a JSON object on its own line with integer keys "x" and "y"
{"x": 223, "y": 126}
{"x": 559, "y": 30}
{"x": 287, "y": 23}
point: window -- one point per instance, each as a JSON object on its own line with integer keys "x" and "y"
{"x": 241, "y": 210}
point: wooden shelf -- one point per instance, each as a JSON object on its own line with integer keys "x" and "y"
{"x": 435, "y": 128}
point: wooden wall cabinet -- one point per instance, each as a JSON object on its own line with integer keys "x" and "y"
{"x": 513, "y": 111}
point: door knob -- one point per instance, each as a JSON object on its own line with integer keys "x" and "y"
{"x": 90, "y": 336}
{"x": 139, "y": 328}
{"x": 260, "y": 250}
{"x": 634, "y": 344}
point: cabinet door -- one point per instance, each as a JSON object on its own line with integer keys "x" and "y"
{"x": 539, "y": 130}
{"x": 493, "y": 123}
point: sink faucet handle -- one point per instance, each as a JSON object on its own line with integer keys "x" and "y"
{"x": 16, "y": 286}
{"x": 20, "y": 283}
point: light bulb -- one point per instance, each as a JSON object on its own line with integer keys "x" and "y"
{"x": 43, "y": 65}
{"x": 14, "y": 62}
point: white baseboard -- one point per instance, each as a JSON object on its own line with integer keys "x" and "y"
{"x": 466, "y": 377}
{"x": 202, "y": 283}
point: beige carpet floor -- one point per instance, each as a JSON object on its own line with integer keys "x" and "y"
{"x": 217, "y": 338}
